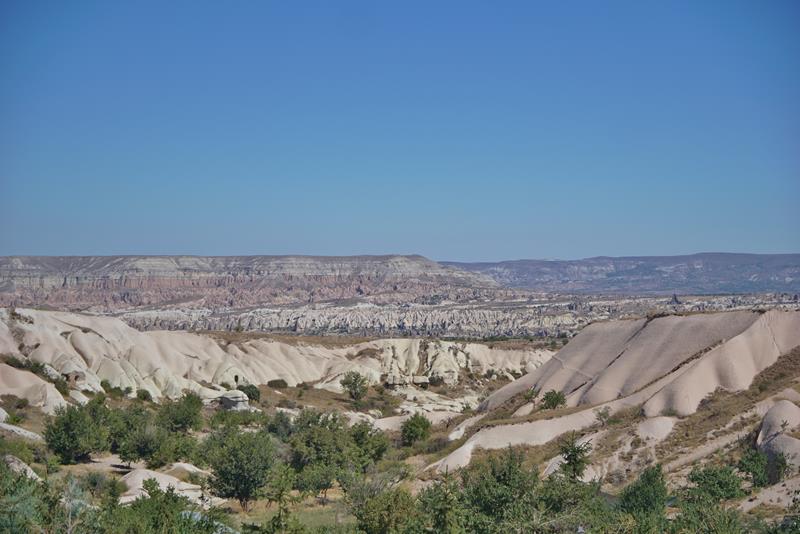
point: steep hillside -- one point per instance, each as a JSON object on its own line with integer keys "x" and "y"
{"x": 88, "y": 349}
{"x": 667, "y": 366}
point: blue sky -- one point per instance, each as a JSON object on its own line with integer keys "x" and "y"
{"x": 458, "y": 130}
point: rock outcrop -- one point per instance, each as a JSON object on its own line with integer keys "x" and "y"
{"x": 112, "y": 282}
{"x": 165, "y": 363}
{"x": 18, "y": 466}
{"x": 666, "y": 365}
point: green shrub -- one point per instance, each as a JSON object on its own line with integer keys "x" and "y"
{"x": 252, "y": 392}
{"x": 19, "y": 403}
{"x": 754, "y": 463}
{"x": 388, "y": 511}
{"x": 647, "y": 495}
{"x": 144, "y": 395}
{"x": 73, "y": 434}
{"x": 278, "y": 383}
{"x": 717, "y": 483}
{"x": 531, "y": 394}
{"x": 183, "y": 414}
{"x": 415, "y": 428}
{"x": 15, "y": 417}
{"x": 372, "y": 443}
{"x": 61, "y": 386}
{"x": 280, "y": 425}
{"x": 99, "y": 484}
{"x": 355, "y": 385}
{"x": 553, "y": 399}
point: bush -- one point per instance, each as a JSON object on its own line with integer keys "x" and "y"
{"x": 73, "y": 434}
{"x": 647, "y": 495}
{"x": 553, "y": 399}
{"x": 755, "y": 464}
{"x": 280, "y": 425}
{"x": 99, "y": 484}
{"x": 415, "y": 428}
{"x": 15, "y": 417}
{"x": 61, "y": 386}
{"x": 252, "y": 392}
{"x": 388, "y": 511}
{"x": 777, "y": 468}
{"x": 278, "y": 383}
{"x": 237, "y": 418}
{"x": 531, "y": 394}
{"x": 717, "y": 483}
{"x": 182, "y": 415}
{"x": 355, "y": 385}
{"x": 603, "y": 415}
{"x": 497, "y": 488}
{"x": 144, "y": 395}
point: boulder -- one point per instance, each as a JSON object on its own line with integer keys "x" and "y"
{"x": 234, "y": 400}
{"x": 78, "y": 397}
{"x": 18, "y": 466}
{"x": 21, "y": 432}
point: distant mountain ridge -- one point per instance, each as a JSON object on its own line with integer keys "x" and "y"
{"x": 115, "y": 283}
{"x": 704, "y": 273}
{"x": 109, "y": 283}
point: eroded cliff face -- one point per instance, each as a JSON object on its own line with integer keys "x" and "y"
{"x": 362, "y": 295}
{"x": 116, "y": 282}
{"x": 89, "y": 349}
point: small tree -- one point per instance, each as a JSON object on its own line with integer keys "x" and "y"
{"x": 73, "y": 434}
{"x": 183, "y": 414}
{"x": 241, "y": 465}
{"x": 355, "y": 384}
{"x": 603, "y": 415}
{"x": 575, "y": 455}
{"x": 316, "y": 479}
{"x": 280, "y": 481}
{"x": 415, "y": 428}
{"x": 553, "y": 399}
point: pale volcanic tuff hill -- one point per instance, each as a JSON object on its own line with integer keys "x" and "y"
{"x": 114, "y": 282}
{"x": 708, "y": 273}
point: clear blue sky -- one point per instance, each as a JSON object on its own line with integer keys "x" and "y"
{"x": 458, "y": 130}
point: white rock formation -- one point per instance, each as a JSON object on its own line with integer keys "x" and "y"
{"x": 18, "y": 466}
{"x": 165, "y": 363}
{"x": 772, "y": 438}
{"x": 135, "y": 483}
{"x": 233, "y": 400}
{"x": 26, "y": 385}
{"x": 21, "y": 432}
{"x": 695, "y": 362}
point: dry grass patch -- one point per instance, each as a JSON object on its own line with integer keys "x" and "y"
{"x": 721, "y": 407}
